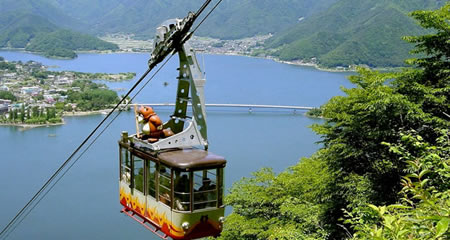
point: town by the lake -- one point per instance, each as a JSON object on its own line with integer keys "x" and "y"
{"x": 32, "y": 95}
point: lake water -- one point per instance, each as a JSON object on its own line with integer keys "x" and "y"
{"x": 84, "y": 205}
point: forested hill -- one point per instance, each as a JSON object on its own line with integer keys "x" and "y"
{"x": 232, "y": 19}
{"x": 354, "y": 32}
{"x": 383, "y": 169}
{"x": 32, "y": 25}
{"x": 41, "y": 8}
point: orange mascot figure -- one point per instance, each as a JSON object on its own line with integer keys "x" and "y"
{"x": 152, "y": 127}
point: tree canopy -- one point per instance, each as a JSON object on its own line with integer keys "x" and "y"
{"x": 92, "y": 96}
{"x": 7, "y": 95}
{"x": 382, "y": 172}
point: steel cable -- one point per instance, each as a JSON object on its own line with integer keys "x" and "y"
{"x": 23, "y": 213}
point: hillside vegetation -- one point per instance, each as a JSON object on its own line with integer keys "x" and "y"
{"x": 22, "y": 29}
{"x": 383, "y": 171}
{"x": 232, "y": 19}
{"x": 353, "y": 32}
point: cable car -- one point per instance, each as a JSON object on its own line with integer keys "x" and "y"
{"x": 179, "y": 192}
{"x": 169, "y": 181}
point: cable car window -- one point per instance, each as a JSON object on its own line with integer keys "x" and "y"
{"x": 151, "y": 179}
{"x": 165, "y": 185}
{"x": 125, "y": 166}
{"x": 205, "y": 189}
{"x": 182, "y": 188}
{"x": 138, "y": 173}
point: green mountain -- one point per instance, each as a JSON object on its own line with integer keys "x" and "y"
{"x": 37, "y": 34}
{"x": 42, "y": 8}
{"x": 17, "y": 29}
{"x": 232, "y": 19}
{"x": 353, "y": 32}
{"x": 64, "y": 43}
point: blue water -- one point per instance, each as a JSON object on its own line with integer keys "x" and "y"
{"x": 84, "y": 205}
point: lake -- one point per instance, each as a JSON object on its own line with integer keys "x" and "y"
{"x": 85, "y": 204}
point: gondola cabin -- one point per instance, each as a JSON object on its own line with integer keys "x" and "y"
{"x": 179, "y": 192}
{"x": 169, "y": 182}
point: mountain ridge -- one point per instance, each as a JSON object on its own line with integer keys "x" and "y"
{"x": 360, "y": 32}
{"x": 36, "y": 34}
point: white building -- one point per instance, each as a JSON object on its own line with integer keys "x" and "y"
{"x": 30, "y": 90}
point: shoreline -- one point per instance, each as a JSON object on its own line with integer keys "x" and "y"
{"x": 24, "y": 126}
{"x": 295, "y": 62}
{"x": 88, "y": 113}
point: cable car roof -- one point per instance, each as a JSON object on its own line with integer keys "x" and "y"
{"x": 190, "y": 159}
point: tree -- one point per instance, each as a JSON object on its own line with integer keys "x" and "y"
{"x": 424, "y": 210}
{"x": 284, "y": 206}
{"x": 7, "y": 96}
{"x": 22, "y": 113}
{"x": 432, "y": 86}
{"x": 389, "y": 125}
{"x": 15, "y": 114}
{"x": 35, "y": 112}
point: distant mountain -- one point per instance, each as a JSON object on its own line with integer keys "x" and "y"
{"x": 37, "y": 34}
{"x": 353, "y": 32}
{"x": 42, "y": 8}
{"x": 232, "y": 19}
{"x": 17, "y": 29}
{"x": 331, "y": 32}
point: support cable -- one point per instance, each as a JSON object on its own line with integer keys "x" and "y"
{"x": 25, "y": 211}
{"x": 25, "y": 214}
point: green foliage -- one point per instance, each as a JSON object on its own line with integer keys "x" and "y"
{"x": 63, "y": 43}
{"x": 59, "y": 106}
{"x": 353, "y": 32}
{"x": 232, "y": 19}
{"x": 40, "y": 74}
{"x": 7, "y": 95}
{"x": 104, "y": 76}
{"x": 32, "y": 115}
{"x": 55, "y": 120}
{"x": 37, "y": 34}
{"x": 246, "y": 18}
{"x": 424, "y": 210}
{"x": 284, "y": 206}
{"x": 7, "y": 66}
{"x": 315, "y": 112}
{"x": 39, "y": 120}
{"x": 19, "y": 28}
{"x": 363, "y": 168}
{"x": 92, "y": 96}
{"x": 433, "y": 88}
{"x": 383, "y": 171}
{"x": 44, "y": 9}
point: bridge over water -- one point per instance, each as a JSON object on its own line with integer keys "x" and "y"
{"x": 250, "y": 107}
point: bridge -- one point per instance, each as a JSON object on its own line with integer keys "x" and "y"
{"x": 250, "y": 107}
